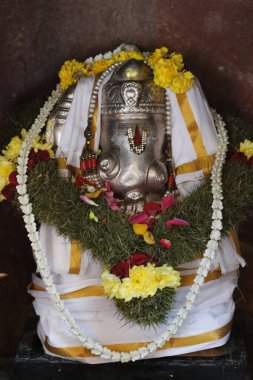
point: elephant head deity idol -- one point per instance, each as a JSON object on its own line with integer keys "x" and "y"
{"x": 135, "y": 154}
{"x": 133, "y": 135}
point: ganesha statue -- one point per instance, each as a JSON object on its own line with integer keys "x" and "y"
{"x": 121, "y": 131}
{"x": 133, "y": 135}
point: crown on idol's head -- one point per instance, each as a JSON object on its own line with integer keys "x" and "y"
{"x": 131, "y": 89}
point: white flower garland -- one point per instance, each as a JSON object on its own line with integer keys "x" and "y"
{"x": 109, "y": 54}
{"x": 212, "y": 245}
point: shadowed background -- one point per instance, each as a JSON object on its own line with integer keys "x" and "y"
{"x": 37, "y": 36}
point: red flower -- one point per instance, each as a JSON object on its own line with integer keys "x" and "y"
{"x": 13, "y": 178}
{"x": 151, "y": 208}
{"x": 151, "y": 222}
{"x": 138, "y": 259}
{"x": 34, "y": 158}
{"x": 43, "y": 155}
{"x": 239, "y": 156}
{"x": 166, "y": 243}
{"x": 250, "y": 162}
{"x": 8, "y": 191}
{"x": 121, "y": 269}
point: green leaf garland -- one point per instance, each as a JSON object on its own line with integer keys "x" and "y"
{"x": 56, "y": 202}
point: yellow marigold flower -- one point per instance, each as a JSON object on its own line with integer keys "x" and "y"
{"x": 246, "y": 147}
{"x": 144, "y": 280}
{"x": 126, "y": 291}
{"x": 182, "y": 82}
{"x": 111, "y": 284}
{"x": 11, "y": 151}
{"x": 70, "y": 72}
{"x": 148, "y": 237}
{"x": 164, "y": 72}
{"x": 156, "y": 56}
{"x": 135, "y": 55}
{"x": 3, "y": 183}
{"x": 126, "y": 55}
{"x": 178, "y": 60}
{"x": 168, "y": 277}
{"x": 140, "y": 229}
{"x": 6, "y": 168}
{"x": 40, "y": 144}
{"x": 99, "y": 66}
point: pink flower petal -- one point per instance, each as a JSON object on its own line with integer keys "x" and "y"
{"x": 167, "y": 202}
{"x": 166, "y": 243}
{"x": 88, "y": 200}
{"x": 114, "y": 207}
{"x": 177, "y": 222}
{"x": 112, "y": 201}
{"x": 151, "y": 222}
{"x": 109, "y": 194}
{"x": 138, "y": 218}
{"x": 107, "y": 186}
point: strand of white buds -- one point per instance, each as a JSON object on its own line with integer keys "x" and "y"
{"x": 109, "y": 54}
{"x": 215, "y": 236}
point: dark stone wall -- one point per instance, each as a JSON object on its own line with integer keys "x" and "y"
{"x": 37, "y": 36}
{"x": 215, "y": 36}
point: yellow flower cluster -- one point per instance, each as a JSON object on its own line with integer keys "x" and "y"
{"x": 11, "y": 153}
{"x": 156, "y": 56}
{"x": 70, "y": 72}
{"x": 246, "y": 147}
{"x": 6, "y": 168}
{"x": 73, "y": 70}
{"x": 143, "y": 281}
{"x": 40, "y": 144}
{"x": 168, "y": 71}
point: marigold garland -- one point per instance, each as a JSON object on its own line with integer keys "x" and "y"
{"x": 167, "y": 68}
{"x": 8, "y": 160}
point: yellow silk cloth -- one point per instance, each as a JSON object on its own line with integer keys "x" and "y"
{"x": 81, "y": 352}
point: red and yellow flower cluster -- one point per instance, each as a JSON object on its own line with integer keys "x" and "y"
{"x": 244, "y": 154}
{"x": 41, "y": 151}
{"x": 140, "y": 276}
